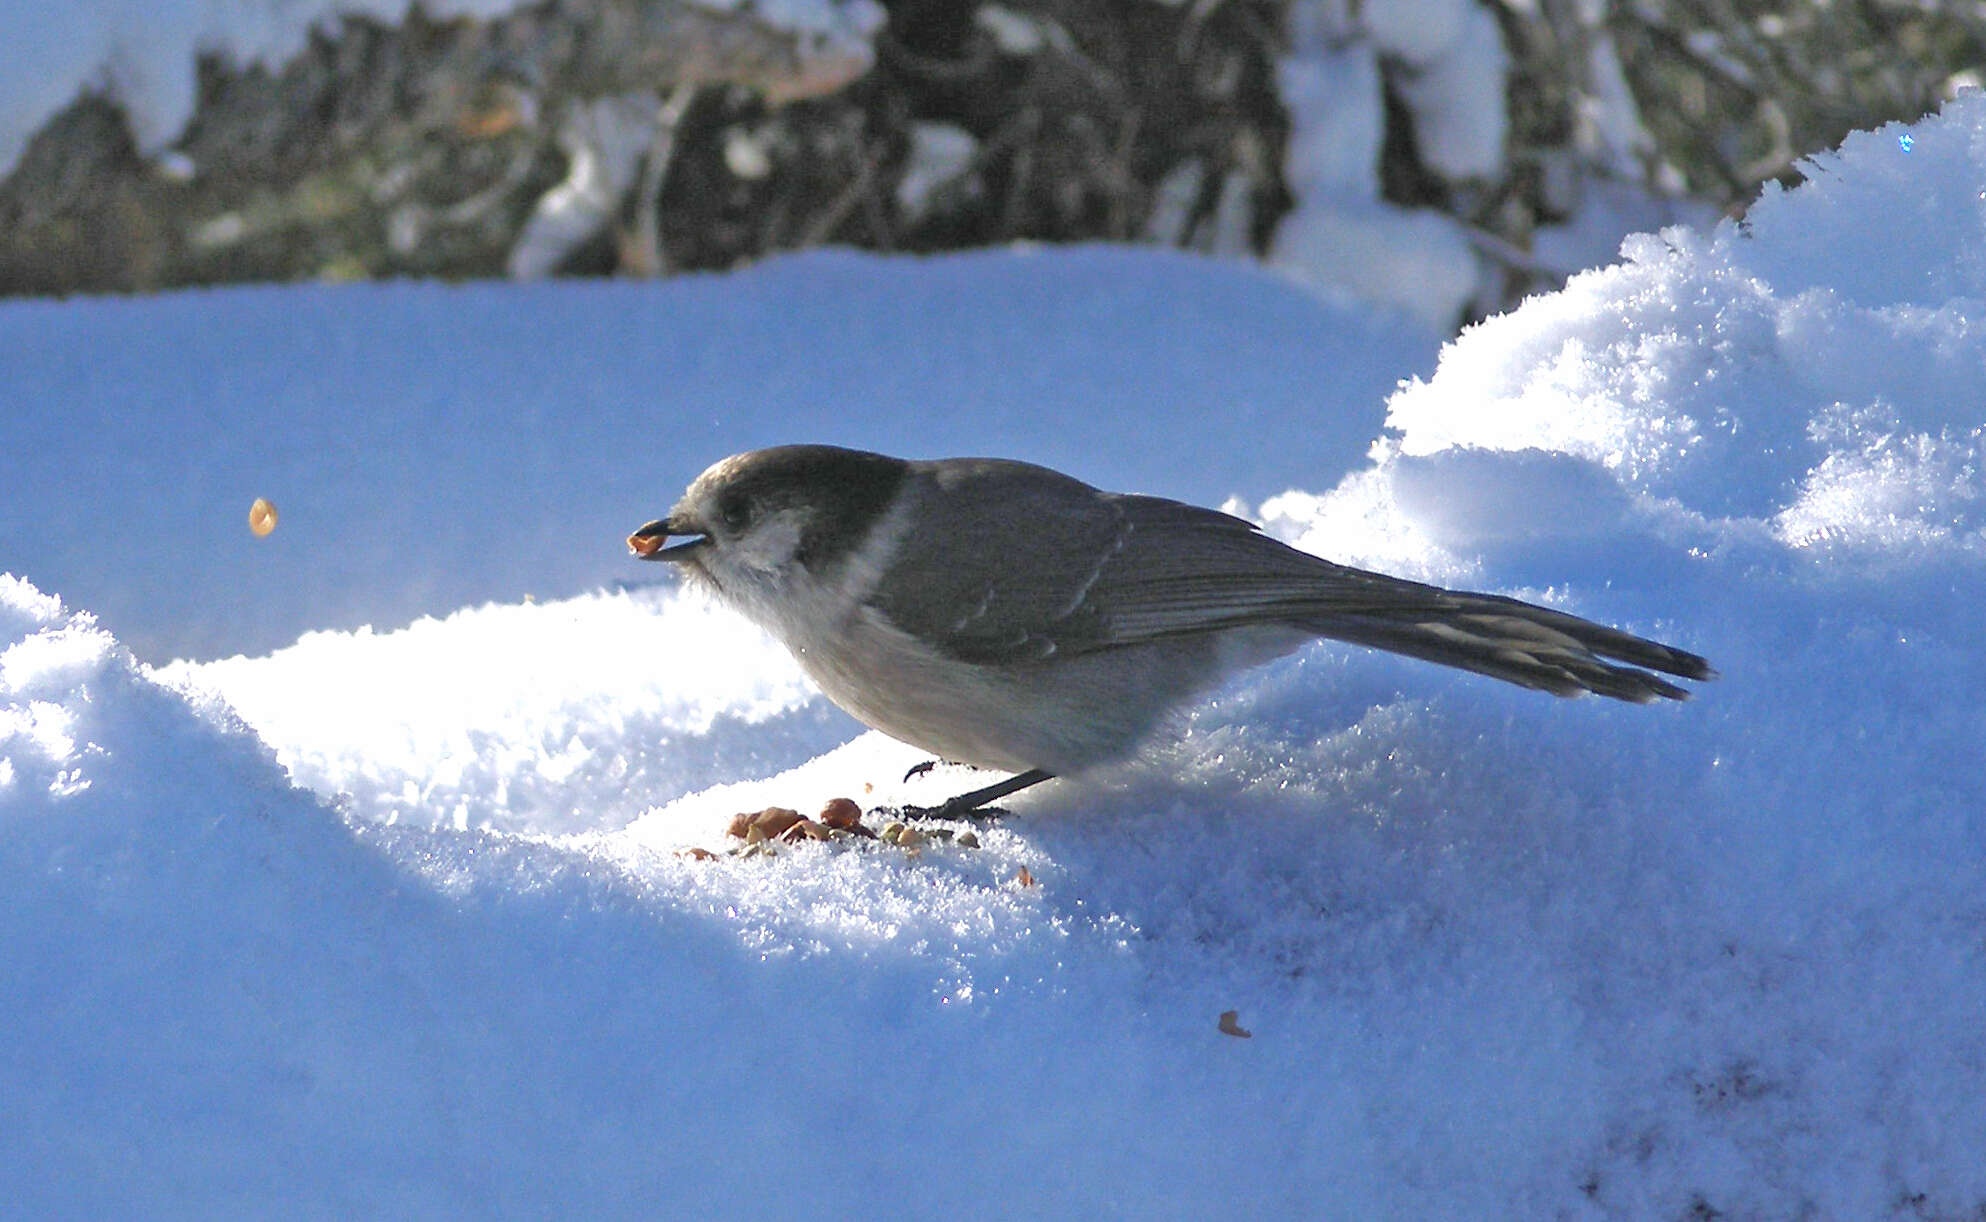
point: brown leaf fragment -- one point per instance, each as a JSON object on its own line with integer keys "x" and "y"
{"x": 1230, "y": 1027}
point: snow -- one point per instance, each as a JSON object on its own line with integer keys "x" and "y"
{"x": 400, "y": 921}
{"x": 417, "y": 724}
{"x": 605, "y": 140}
{"x": 940, "y": 153}
{"x": 1453, "y": 80}
{"x": 1340, "y": 235}
{"x": 1811, "y": 374}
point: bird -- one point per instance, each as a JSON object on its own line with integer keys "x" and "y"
{"x": 1007, "y": 616}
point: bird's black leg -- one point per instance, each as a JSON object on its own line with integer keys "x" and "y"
{"x": 971, "y": 803}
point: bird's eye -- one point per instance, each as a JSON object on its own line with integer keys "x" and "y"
{"x": 734, "y": 512}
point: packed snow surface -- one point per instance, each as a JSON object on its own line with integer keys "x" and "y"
{"x": 404, "y": 921}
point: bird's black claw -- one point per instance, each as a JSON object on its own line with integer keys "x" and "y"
{"x": 944, "y": 810}
{"x": 920, "y": 769}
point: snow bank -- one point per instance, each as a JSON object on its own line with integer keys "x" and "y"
{"x": 616, "y": 708}
{"x": 1815, "y": 374}
{"x": 223, "y": 1001}
{"x": 1500, "y": 955}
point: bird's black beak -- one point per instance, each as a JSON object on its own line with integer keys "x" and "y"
{"x": 647, "y": 542}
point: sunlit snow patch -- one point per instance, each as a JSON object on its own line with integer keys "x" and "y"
{"x": 545, "y": 717}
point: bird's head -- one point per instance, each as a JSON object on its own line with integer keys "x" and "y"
{"x": 755, "y": 524}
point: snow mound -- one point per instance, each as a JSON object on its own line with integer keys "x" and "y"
{"x": 566, "y": 716}
{"x": 1814, "y": 372}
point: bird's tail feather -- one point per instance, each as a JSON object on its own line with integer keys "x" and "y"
{"x": 1535, "y": 647}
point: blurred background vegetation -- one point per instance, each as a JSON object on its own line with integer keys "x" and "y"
{"x": 1442, "y": 156}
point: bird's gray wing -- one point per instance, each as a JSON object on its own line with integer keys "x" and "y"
{"x": 1187, "y": 570}
{"x": 1005, "y": 577}
{"x": 1070, "y": 574}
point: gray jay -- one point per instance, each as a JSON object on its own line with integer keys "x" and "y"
{"x": 1008, "y": 616}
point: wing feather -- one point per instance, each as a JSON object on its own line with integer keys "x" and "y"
{"x": 1059, "y": 568}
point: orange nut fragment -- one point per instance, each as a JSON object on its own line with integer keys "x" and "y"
{"x": 261, "y": 517}
{"x": 775, "y": 819}
{"x": 805, "y": 829}
{"x": 646, "y": 545}
{"x": 841, "y": 813}
{"x": 762, "y": 824}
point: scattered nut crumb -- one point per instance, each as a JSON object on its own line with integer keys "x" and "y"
{"x": 1229, "y": 1026}
{"x": 1023, "y": 877}
{"x": 696, "y": 854}
{"x": 841, "y": 819}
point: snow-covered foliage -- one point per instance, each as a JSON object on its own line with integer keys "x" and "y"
{"x": 143, "y": 54}
{"x": 1500, "y": 955}
{"x": 1341, "y": 233}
